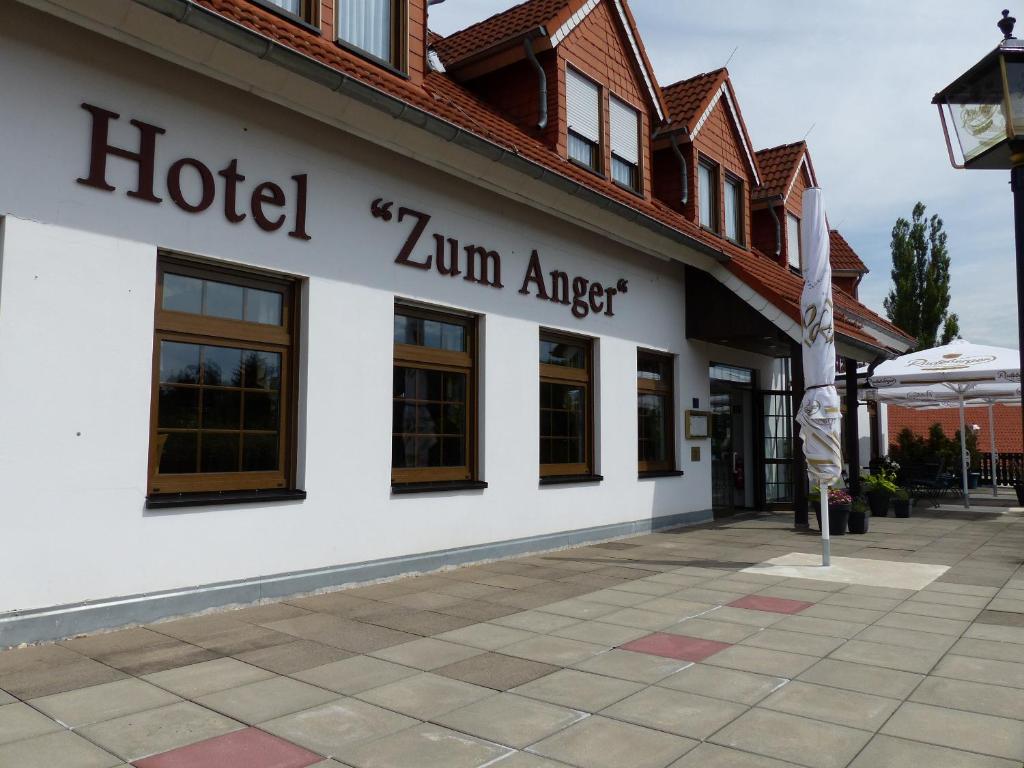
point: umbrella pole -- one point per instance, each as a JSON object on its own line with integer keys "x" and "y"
{"x": 992, "y": 435}
{"x": 826, "y": 554}
{"x": 963, "y": 453}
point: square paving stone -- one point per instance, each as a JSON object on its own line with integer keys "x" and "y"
{"x": 103, "y": 702}
{"x": 256, "y": 702}
{"x": 714, "y": 756}
{"x": 762, "y": 661}
{"x": 996, "y": 632}
{"x": 627, "y": 665}
{"x": 342, "y": 633}
{"x": 892, "y": 657}
{"x": 425, "y": 696}
{"x": 908, "y": 638}
{"x": 957, "y": 729}
{"x": 578, "y": 690}
{"x": 975, "y": 697}
{"x": 862, "y": 678}
{"x": 678, "y": 712}
{"x": 937, "y": 610}
{"x": 599, "y": 742}
{"x": 293, "y": 657}
{"x": 340, "y": 603}
{"x": 554, "y": 650}
{"x": 924, "y": 623}
{"x": 981, "y": 670}
{"x": 56, "y": 750}
{"x": 527, "y": 760}
{"x": 843, "y": 613}
{"x": 6, "y": 698}
{"x": 786, "y": 737}
{"x": 770, "y": 604}
{"x": 425, "y": 601}
{"x": 354, "y": 675}
{"x": 261, "y": 614}
{"x": 890, "y": 752}
{"x": 249, "y": 748}
{"x": 29, "y": 673}
{"x": 677, "y": 609}
{"x": 598, "y": 632}
{"x": 245, "y": 637}
{"x": 418, "y": 623}
{"x": 760, "y": 619}
{"x": 154, "y": 731}
{"x": 1001, "y": 618}
{"x": 207, "y": 677}
{"x": 20, "y": 721}
{"x": 514, "y": 721}
{"x": 496, "y": 670}
{"x": 795, "y": 642}
{"x": 946, "y": 598}
{"x": 489, "y": 637}
{"x": 988, "y": 649}
{"x": 333, "y": 728}
{"x": 426, "y": 746}
{"x": 428, "y": 653}
{"x": 579, "y": 609}
{"x": 536, "y": 621}
{"x": 676, "y": 646}
{"x": 862, "y": 601}
{"x": 857, "y": 710}
{"x": 813, "y": 625}
{"x": 708, "y": 629}
{"x": 720, "y": 683}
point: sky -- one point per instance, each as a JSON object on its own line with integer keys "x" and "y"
{"x": 859, "y": 76}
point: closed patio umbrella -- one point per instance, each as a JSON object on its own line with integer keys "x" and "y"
{"x": 819, "y": 409}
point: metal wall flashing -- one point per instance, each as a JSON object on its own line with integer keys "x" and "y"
{"x": 59, "y": 622}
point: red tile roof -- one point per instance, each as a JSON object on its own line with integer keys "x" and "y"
{"x": 842, "y": 256}
{"x": 688, "y": 98}
{"x": 448, "y": 101}
{"x": 508, "y": 24}
{"x": 778, "y": 167}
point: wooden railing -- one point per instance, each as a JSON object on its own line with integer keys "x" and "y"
{"x": 1007, "y": 469}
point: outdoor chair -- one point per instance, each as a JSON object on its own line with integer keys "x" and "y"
{"x": 931, "y": 481}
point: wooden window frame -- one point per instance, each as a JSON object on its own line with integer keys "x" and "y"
{"x": 428, "y": 358}
{"x": 667, "y": 390}
{"x": 741, "y": 210}
{"x": 560, "y": 374}
{"x": 170, "y": 325}
{"x": 399, "y": 35}
{"x": 797, "y": 268}
{"x": 307, "y": 17}
{"x": 602, "y": 140}
{"x": 716, "y": 194}
{"x": 638, "y": 169}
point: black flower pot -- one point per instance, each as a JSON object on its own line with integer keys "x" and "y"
{"x": 878, "y": 500}
{"x": 858, "y": 521}
{"x": 838, "y": 518}
{"x": 1019, "y": 488}
{"x": 973, "y": 480}
{"x": 902, "y": 507}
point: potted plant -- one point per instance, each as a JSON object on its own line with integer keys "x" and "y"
{"x": 879, "y": 488}
{"x": 859, "y": 516}
{"x": 839, "y": 502}
{"x": 902, "y": 503}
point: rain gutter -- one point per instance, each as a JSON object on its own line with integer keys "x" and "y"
{"x": 224, "y": 29}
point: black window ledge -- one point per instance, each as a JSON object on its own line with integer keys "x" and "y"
{"x": 588, "y": 168}
{"x": 209, "y": 499}
{"x": 662, "y": 473}
{"x": 566, "y": 479}
{"x": 438, "y": 486}
{"x": 277, "y": 10}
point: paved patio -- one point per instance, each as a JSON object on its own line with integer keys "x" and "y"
{"x": 645, "y": 653}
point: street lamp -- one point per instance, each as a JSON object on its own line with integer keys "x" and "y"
{"x": 985, "y": 107}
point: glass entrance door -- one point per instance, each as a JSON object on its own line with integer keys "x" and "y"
{"x": 731, "y": 439}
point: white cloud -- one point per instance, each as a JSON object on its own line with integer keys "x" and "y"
{"x": 862, "y": 73}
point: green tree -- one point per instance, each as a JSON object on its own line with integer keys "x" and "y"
{"x": 919, "y": 300}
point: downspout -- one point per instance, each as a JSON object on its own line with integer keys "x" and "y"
{"x": 778, "y": 231}
{"x": 683, "y": 169}
{"x": 542, "y": 78}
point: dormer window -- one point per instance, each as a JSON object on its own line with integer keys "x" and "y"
{"x": 300, "y": 10}
{"x": 583, "y": 109}
{"x": 707, "y": 191}
{"x": 625, "y": 141}
{"x": 734, "y": 209}
{"x": 371, "y": 26}
{"x": 793, "y": 242}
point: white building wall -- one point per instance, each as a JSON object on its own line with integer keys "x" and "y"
{"x": 77, "y": 274}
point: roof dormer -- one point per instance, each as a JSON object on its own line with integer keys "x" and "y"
{"x": 778, "y": 203}
{"x": 847, "y": 268}
{"x": 704, "y": 162}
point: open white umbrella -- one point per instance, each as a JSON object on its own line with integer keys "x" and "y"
{"x": 965, "y": 371}
{"x": 819, "y": 410}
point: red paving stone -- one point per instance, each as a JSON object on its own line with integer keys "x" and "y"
{"x": 250, "y": 748}
{"x": 676, "y": 646}
{"x": 772, "y": 604}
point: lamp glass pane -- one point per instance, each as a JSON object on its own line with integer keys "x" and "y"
{"x": 977, "y": 111}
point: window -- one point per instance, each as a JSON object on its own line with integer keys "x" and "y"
{"x": 625, "y": 141}
{"x": 300, "y": 9}
{"x": 734, "y": 209}
{"x": 222, "y": 384}
{"x": 583, "y": 107}
{"x": 565, "y": 405}
{"x": 707, "y": 180}
{"x": 656, "y": 437}
{"x": 433, "y": 395}
{"x": 371, "y": 26}
{"x": 793, "y": 242}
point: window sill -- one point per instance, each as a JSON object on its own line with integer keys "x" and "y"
{"x": 661, "y": 473}
{"x": 627, "y": 188}
{"x": 369, "y": 57}
{"x": 216, "y": 498}
{"x": 277, "y": 10}
{"x": 587, "y": 168}
{"x": 567, "y": 479}
{"x": 438, "y": 486}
